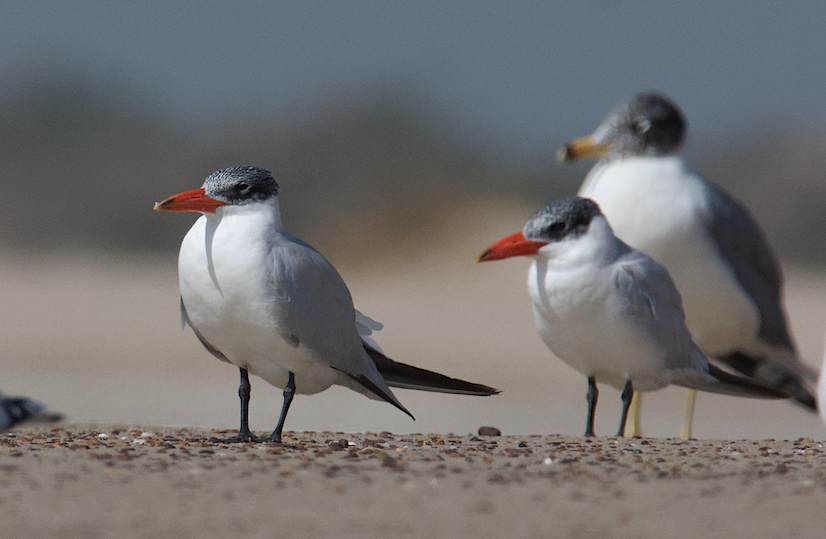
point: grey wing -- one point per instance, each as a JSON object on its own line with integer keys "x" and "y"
{"x": 654, "y": 304}
{"x": 649, "y": 284}
{"x": 211, "y": 349}
{"x": 314, "y": 307}
{"x": 744, "y": 246}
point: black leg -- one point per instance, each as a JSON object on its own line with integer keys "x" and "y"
{"x": 244, "y": 433}
{"x": 244, "y": 391}
{"x": 289, "y": 392}
{"x": 627, "y": 395}
{"x": 593, "y": 393}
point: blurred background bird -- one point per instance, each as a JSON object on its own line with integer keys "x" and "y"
{"x": 17, "y": 410}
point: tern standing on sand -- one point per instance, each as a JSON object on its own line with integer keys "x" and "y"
{"x": 727, "y": 274}
{"x": 267, "y": 302}
{"x": 608, "y": 310}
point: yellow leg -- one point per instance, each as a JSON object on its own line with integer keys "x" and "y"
{"x": 634, "y": 427}
{"x": 685, "y": 431}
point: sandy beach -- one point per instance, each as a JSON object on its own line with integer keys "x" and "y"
{"x": 100, "y": 341}
{"x": 115, "y": 481}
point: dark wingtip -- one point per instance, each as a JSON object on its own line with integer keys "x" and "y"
{"x": 792, "y": 384}
{"x": 800, "y": 394}
{"x": 406, "y": 376}
{"x": 366, "y": 382}
{"x": 749, "y": 386}
{"x": 810, "y": 403}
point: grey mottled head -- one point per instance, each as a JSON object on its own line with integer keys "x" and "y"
{"x": 241, "y": 185}
{"x": 566, "y": 217}
{"x": 649, "y": 125}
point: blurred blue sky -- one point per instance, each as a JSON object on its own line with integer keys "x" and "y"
{"x": 519, "y": 76}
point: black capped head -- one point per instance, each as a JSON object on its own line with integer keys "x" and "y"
{"x": 563, "y": 218}
{"x": 657, "y": 122}
{"x": 241, "y": 185}
{"x": 567, "y": 218}
{"x": 650, "y": 125}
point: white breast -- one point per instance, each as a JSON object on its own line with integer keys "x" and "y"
{"x": 225, "y": 272}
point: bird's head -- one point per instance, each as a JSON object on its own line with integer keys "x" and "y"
{"x": 561, "y": 221}
{"x": 650, "y": 125}
{"x": 234, "y": 186}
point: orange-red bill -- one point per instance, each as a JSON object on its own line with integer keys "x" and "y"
{"x": 195, "y": 200}
{"x": 515, "y": 245}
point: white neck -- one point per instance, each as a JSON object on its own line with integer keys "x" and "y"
{"x": 266, "y": 215}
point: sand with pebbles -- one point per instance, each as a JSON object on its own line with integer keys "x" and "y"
{"x": 107, "y": 481}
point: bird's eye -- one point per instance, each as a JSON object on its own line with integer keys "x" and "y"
{"x": 556, "y": 228}
{"x": 641, "y": 125}
{"x": 242, "y": 187}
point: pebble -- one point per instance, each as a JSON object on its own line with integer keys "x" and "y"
{"x": 489, "y": 431}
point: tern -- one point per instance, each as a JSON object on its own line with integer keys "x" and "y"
{"x": 260, "y": 298}
{"x": 608, "y": 310}
{"x": 16, "y": 410}
{"x": 726, "y": 271}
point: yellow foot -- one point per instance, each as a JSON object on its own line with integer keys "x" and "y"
{"x": 685, "y": 431}
{"x": 634, "y": 427}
